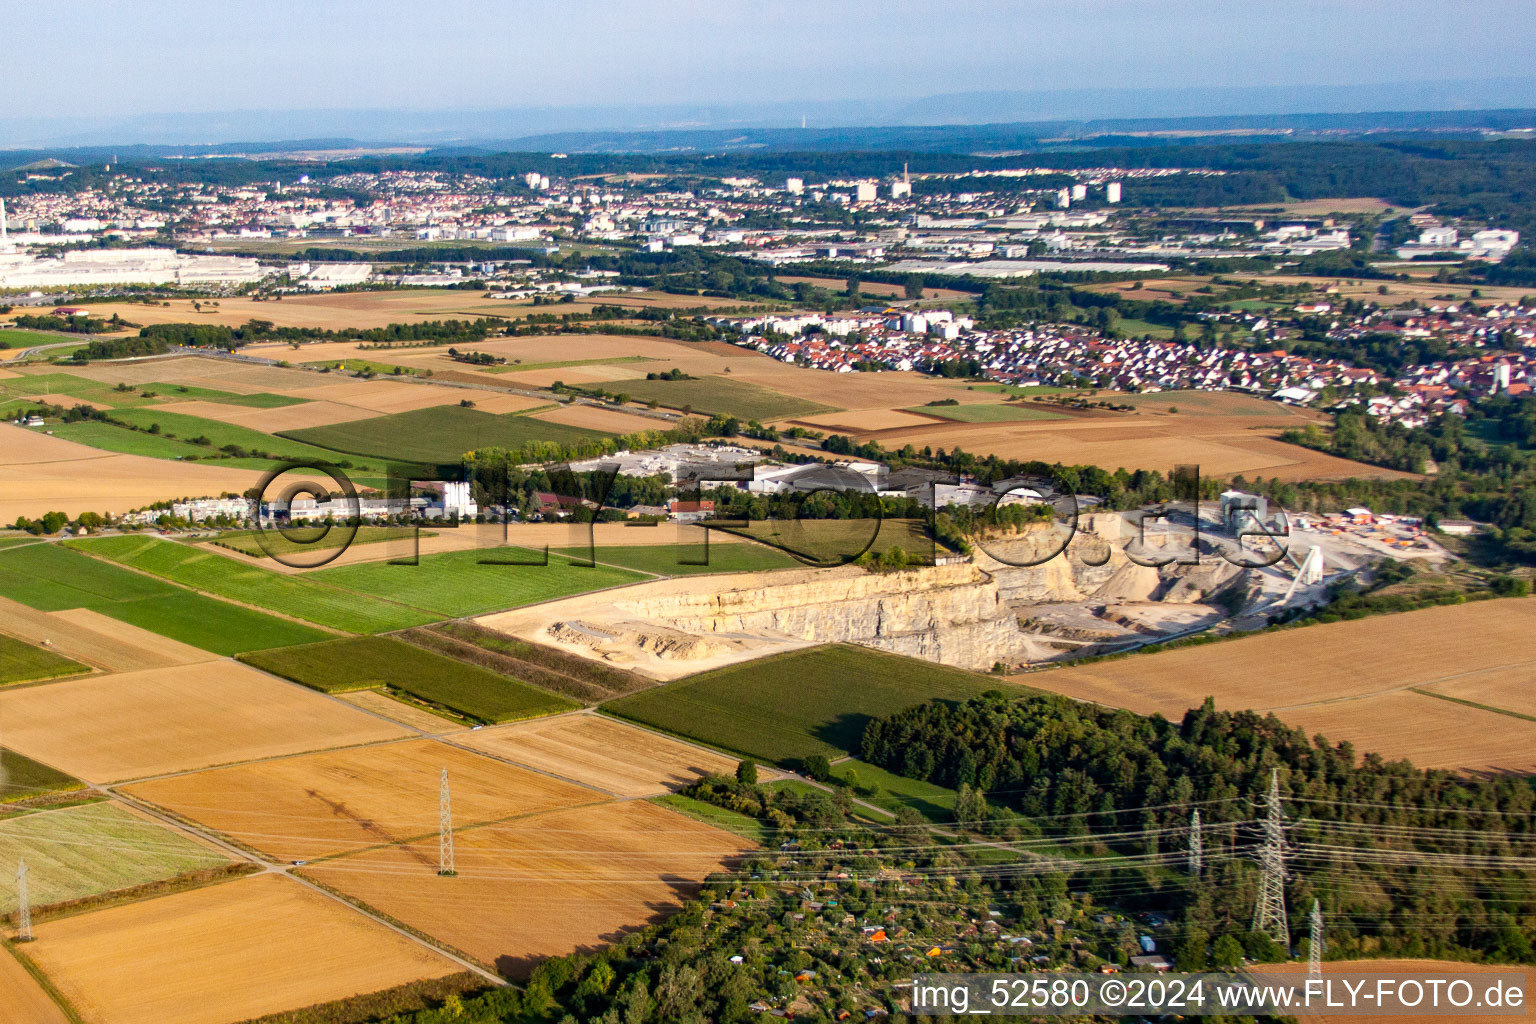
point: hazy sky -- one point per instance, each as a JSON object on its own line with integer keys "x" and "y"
{"x": 92, "y": 57}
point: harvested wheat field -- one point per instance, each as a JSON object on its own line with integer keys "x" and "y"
{"x": 865, "y": 420}
{"x": 399, "y": 711}
{"x": 137, "y": 724}
{"x": 1430, "y": 732}
{"x": 614, "y": 756}
{"x": 378, "y": 396}
{"x": 224, "y": 953}
{"x": 320, "y": 805}
{"x": 609, "y": 421}
{"x": 95, "y": 639}
{"x": 40, "y": 473}
{"x": 1222, "y": 445}
{"x": 200, "y": 371}
{"x": 25, "y": 1000}
{"x": 286, "y": 417}
{"x": 1407, "y": 969}
{"x": 1336, "y": 678}
{"x": 1507, "y": 688}
{"x": 543, "y": 886}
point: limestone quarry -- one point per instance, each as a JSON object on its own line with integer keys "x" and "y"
{"x": 971, "y": 613}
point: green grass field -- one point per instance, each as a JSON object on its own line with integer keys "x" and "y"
{"x": 22, "y": 778}
{"x": 81, "y": 851}
{"x": 986, "y": 413}
{"x": 1129, "y": 327}
{"x": 22, "y": 663}
{"x": 50, "y": 577}
{"x": 835, "y": 541}
{"x": 112, "y": 438}
{"x": 560, "y": 364}
{"x": 1016, "y": 392}
{"x": 453, "y": 584}
{"x": 677, "y": 559}
{"x": 102, "y": 394}
{"x": 894, "y": 792}
{"x": 441, "y": 434}
{"x": 220, "y": 434}
{"x": 720, "y": 817}
{"x": 15, "y": 337}
{"x": 304, "y": 538}
{"x": 300, "y": 596}
{"x": 812, "y": 701}
{"x": 369, "y": 662}
{"x": 367, "y": 365}
{"x": 715, "y": 394}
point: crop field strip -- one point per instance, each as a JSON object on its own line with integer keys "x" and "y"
{"x": 539, "y": 886}
{"x": 224, "y": 953}
{"x": 75, "y": 852}
{"x": 684, "y": 559}
{"x": 546, "y": 667}
{"x": 218, "y": 434}
{"x": 22, "y": 778}
{"x": 438, "y": 434}
{"x": 1353, "y": 680}
{"x": 454, "y": 584}
{"x": 114, "y": 728}
{"x": 301, "y": 597}
{"x": 715, "y": 394}
{"x": 23, "y": 663}
{"x": 96, "y": 640}
{"x": 469, "y": 690}
{"x": 327, "y": 804}
{"x": 108, "y": 396}
{"x": 987, "y": 412}
{"x": 611, "y": 755}
{"x": 247, "y": 542}
{"x": 810, "y": 701}
{"x": 50, "y": 577}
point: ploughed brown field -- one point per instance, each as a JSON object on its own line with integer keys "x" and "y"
{"x": 108, "y": 728}
{"x": 1359, "y": 681}
{"x": 541, "y": 886}
{"x": 340, "y": 801}
{"x": 224, "y": 953}
{"x": 619, "y": 758}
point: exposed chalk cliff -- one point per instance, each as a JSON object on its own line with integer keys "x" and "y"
{"x": 953, "y": 614}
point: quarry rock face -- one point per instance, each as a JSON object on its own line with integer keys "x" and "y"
{"x": 952, "y": 614}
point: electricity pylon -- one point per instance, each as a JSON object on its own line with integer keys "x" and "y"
{"x": 24, "y": 933}
{"x": 1315, "y": 946}
{"x": 445, "y": 830}
{"x": 1269, "y": 907}
{"x": 1196, "y": 844}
